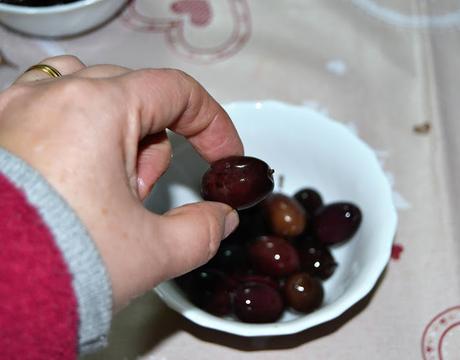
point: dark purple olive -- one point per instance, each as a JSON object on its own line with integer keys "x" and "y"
{"x": 257, "y": 303}
{"x": 257, "y": 279}
{"x": 208, "y": 289}
{"x": 253, "y": 222}
{"x": 239, "y": 181}
{"x": 336, "y": 223}
{"x": 36, "y": 3}
{"x": 285, "y": 215}
{"x": 310, "y": 200}
{"x": 230, "y": 256}
{"x": 315, "y": 258}
{"x": 220, "y": 302}
{"x": 303, "y": 292}
{"x": 274, "y": 256}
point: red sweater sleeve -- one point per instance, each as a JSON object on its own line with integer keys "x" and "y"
{"x": 38, "y": 307}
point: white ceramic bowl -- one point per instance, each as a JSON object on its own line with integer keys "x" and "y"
{"x": 308, "y": 149}
{"x": 59, "y": 20}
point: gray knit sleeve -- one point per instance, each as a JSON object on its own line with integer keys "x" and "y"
{"x": 90, "y": 280}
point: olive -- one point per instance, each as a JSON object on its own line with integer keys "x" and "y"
{"x": 315, "y": 258}
{"x": 209, "y": 289}
{"x": 219, "y": 302}
{"x": 285, "y": 216}
{"x": 253, "y": 222}
{"x": 303, "y": 292}
{"x": 257, "y": 279}
{"x": 310, "y": 200}
{"x": 239, "y": 181}
{"x": 277, "y": 257}
{"x": 274, "y": 256}
{"x": 257, "y": 303}
{"x": 336, "y": 222}
{"x": 36, "y": 3}
{"x": 230, "y": 256}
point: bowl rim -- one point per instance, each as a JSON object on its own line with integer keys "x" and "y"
{"x": 51, "y": 9}
{"x": 322, "y": 315}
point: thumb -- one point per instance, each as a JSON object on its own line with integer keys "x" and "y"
{"x": 165, "y": 246}
{"x": 191, "y": 234}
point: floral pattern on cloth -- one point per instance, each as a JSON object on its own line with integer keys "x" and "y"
{"x": 441, "y": 337}
{"x": 185, "y": 17}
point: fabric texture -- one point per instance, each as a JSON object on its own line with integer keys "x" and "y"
{"x": 56, "y": 254}
{"x": 38, "y": 310}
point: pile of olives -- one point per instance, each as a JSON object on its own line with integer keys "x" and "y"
{"x": 278, "y": 256}
{"x": 37, "y": 3}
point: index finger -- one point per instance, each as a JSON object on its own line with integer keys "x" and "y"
{"x": 171, "y": 99}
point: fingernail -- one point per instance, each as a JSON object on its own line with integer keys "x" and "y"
{"x": 231, "y": 222}
{"x": 140, "y": 184}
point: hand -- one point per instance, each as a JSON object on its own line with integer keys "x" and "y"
{"x": 97, "y": 134}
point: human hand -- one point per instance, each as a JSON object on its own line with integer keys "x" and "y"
{"x": 97, "y": 134}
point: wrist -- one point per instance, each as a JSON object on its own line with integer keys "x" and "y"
{"x": 90, "y": 281}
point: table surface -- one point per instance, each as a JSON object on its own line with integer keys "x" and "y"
{"x": 388, "y": 68}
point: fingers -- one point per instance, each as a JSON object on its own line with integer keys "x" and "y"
{"x": 154, "y": 156}
{"x": 71, "y": 65}
{"x": 159, "y": 248}
{"x": 65, "y": 64}
{"x": 172, "y": 99}
{"x": 102, "y": 71}
{"x": 190, "y": 235}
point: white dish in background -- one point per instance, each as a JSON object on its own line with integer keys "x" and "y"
{"x": 59, "y": 20}
{"x": 309, "y": 150}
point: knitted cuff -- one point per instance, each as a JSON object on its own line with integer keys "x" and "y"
{"x": 90, "y": 281}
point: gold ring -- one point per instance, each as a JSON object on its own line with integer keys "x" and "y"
{"x": 48, "y": 69}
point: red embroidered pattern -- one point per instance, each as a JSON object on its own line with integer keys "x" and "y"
{"x": 435, "y": 333}
{"x": 200, "y": 14}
